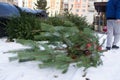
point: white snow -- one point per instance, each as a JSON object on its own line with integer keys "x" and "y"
{"x": 110, "y": 70}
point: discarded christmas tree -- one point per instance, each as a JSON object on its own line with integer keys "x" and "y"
{"x": 41, "y": 4}
{"x": 64, "y": 44}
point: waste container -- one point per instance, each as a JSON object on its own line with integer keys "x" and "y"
{"x": 99, "y": 21}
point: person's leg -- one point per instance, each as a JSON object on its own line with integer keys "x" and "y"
{"x": 109, "y": 33}
{"x": 116, "y": 33}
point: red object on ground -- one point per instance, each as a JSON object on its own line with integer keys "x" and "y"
{"x": 105, "y": 28}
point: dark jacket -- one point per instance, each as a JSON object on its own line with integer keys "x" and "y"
{"x": 113, "y": 9}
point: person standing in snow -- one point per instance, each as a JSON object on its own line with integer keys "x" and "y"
{"x": 113, "y": 24}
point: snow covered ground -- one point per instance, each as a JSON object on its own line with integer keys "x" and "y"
{"x": 110, "y": 70}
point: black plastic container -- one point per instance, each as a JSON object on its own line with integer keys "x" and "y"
{"x": 100, "y": 6}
